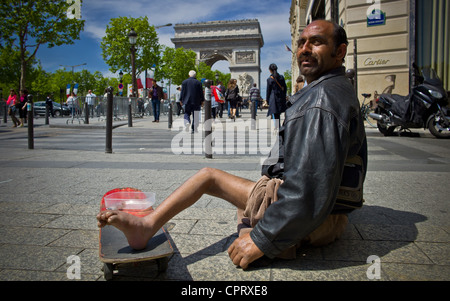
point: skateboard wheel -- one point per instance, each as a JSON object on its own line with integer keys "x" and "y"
{"x": 163, "y": 263}
{"x": 108, "y": 270}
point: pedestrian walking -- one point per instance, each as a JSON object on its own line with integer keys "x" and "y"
{"x": 223, "y": 104}
{"x": 232, "y": 96}
{"x": 71, "y": 102}
{"x": 276, "y": 95}
{"x": 49, "y": 105}
{"x": 13, "y": 104}
{"x": 215, "y": 100}
{"x": 23, "y": 106}
{"x": 156, "y": 94}
{"x": 254, "y": 98}
{"x": 90, "y": 101}
{"x": 177, "y": 101}
{"x": 192, "y": 98}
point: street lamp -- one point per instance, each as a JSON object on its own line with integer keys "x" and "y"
{"x": 166, "y": 25}
{"x": 120, "y": 79}
{"x": 120, "y": 75}
{"x": 73, "y": 70}
{"x": 132, "y": 36}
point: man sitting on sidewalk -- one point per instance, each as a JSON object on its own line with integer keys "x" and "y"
{"x": 298, "y": 199}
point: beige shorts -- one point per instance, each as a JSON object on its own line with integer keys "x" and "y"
{"x": 263, "y": 194}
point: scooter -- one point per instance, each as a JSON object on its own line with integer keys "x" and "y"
{"x": 425, "y": 107}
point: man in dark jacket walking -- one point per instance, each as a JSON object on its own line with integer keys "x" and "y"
{"x": 192, "y": 98}
{"x": 296, "y": 200}
{"x": 276, "y": 95}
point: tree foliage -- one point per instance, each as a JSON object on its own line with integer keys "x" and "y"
{"x": 115, "y": 44}
{"x": 175, "y": 64}
{"x": 288, "y": 78}
{"x": 205, "y": 72}
{"x": 27, "y": 25}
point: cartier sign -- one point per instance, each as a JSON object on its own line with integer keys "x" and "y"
{"x": 375, "y": 62}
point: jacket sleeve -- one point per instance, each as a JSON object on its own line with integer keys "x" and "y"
{"x": 314, "y": 154}
{"x": 268, "y": 89}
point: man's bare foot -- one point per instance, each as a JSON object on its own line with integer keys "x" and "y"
{"x": 137, "y": 230}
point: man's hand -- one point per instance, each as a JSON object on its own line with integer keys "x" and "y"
{"x": 243, "y": 251}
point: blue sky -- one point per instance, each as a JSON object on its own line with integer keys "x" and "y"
{"x": 273, "y": 16}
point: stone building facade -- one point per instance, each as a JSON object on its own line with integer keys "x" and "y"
{"x": 385, "y": 38}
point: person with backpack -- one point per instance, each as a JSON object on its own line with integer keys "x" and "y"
{"x": 232, "y": 95}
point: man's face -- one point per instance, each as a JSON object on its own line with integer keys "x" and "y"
{"x": 316, "y": 53}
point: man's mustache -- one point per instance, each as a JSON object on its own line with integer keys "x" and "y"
{"x": 307, "y": 56}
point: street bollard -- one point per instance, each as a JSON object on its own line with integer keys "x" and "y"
{"x": 130, "y": 118}
{"x": 5, "y": 113}
{"x": 30, "y": 121}
{"x": 208, "y": 121}
{"x": 253, "y": 109}
{"x": 86, "y": 113}
{"x": 170, "y": 114}
{"x": 109, "y": 119}
{"x": 47, "y": 115}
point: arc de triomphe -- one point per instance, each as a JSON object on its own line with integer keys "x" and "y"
{"x": 238, "y": 42}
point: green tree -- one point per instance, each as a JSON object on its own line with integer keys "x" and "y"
{"x": 58, "y": 81}
{"x": 205, "y": 72}
{"x": 288, "y": 78}
{"x": 175, "y": 65}
{"x": 27, "y": 25}
{"x": 40, "y": 86}
{"x": 10, "y": 68}
{"x": 116, "y": 47}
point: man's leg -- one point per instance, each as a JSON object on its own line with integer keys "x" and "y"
{"x": 138, "y": 231}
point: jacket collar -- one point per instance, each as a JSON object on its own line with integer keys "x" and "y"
{"x": 332, "y": 73}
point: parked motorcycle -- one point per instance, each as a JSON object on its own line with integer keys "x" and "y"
{"x": 425, "y": 107}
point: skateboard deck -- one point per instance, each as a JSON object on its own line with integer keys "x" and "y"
{"x": 114, "y": 248}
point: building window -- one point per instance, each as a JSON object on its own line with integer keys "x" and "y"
{"x": 433, "y": 37}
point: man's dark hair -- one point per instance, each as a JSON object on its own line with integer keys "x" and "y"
{"x": 339, "y": 35}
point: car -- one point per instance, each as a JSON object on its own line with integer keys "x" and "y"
{"x": 39, "y": 109}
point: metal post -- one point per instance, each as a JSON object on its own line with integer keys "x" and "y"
{"x": 109, "y": 119}
{"x": 61, "y": 96}
{"x": 5, "y": 112}
{"x": 46, "y": 113}
{"x": 208, "y": 120}
{"x": 30, "y": 121}
{"x": 170, "y": 114}
{"x": 130, "y": 117}
{"x": 86, "y": 113}
{"x": 253, "y": 109}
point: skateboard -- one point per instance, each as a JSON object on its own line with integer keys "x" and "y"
{"x": 114, "y": 249}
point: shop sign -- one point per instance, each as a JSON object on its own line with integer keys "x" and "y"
{"x": 376, "y": 17}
